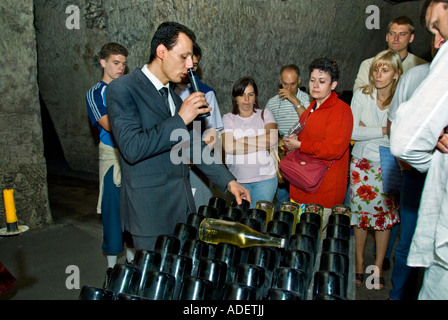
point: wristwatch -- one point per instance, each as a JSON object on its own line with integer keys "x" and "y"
{"x": 300, "y": 105}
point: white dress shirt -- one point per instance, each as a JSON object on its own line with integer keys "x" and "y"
{"x": 414, "y": 135}
{"x": 406, "y": 87}
{"x": 158, "y": 84}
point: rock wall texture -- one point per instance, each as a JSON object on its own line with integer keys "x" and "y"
{"x": 22, "y": 162}
{"x": 49, "y": 47}
{"x": 238, "y": 37}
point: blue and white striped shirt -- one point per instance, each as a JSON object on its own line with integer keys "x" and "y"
{"x": 284, "y": 112}
{"x": 96, "y": 107}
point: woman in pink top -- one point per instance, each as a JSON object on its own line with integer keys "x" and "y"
{"x": 249, "y": 133}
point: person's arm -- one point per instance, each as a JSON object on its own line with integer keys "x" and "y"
{"x": 237, "y": 146}
{"x": 305, "y": 103}
{"x": 299, "y": 106}
{"x": 418, "y": 123}
{"x": 191, "y": 107}
{"x": 97, "y": 109}
{"x": 214, "y": 121}
{"x": 104, "y": 123}
{"x": 238, "y": 191}
{"x": 291, "y": 142}
{"x": 442, "y": 144}
{"x": 252, "y": 144}
{"x": 361, "y": 132}
{"x": 136, "y": 142}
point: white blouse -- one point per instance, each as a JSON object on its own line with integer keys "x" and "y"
{"x": 368, "y": 138}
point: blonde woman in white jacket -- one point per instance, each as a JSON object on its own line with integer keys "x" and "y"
{"x": 371, "y": 207}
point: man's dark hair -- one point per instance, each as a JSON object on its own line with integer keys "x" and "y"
{"x": 425, "y": 7}
{"x": 197, "y": 51}
{"x": 167, "y": 34}
{"x": 292, "y": 67}
{"x": 112, "y": 48}
{"x": 238, "y": 90}
{"x": 326, "y": 65}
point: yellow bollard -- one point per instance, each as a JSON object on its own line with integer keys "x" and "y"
{"x": 10, "y": 208}
{"x": 12, "y": 224}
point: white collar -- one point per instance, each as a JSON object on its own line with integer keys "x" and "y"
{"x": 154, "y": 80}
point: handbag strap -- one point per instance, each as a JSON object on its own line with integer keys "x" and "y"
{"x": 311, "y": 111}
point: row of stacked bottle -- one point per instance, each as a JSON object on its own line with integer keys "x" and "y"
{"x": 310, "y": 261}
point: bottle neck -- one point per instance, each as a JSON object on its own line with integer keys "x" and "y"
{"x": 268, "y": 240}
{"x": 282, "y": 242}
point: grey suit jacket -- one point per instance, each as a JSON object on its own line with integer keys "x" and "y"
{"x": 155, "y": 192}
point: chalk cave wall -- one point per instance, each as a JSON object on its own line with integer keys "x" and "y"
{"x": 42, "y": 57}
{"x": 238, "y": 37}
{"x": 22, "y": 162}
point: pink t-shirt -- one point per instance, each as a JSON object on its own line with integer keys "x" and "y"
{"x": 255, "y": 166}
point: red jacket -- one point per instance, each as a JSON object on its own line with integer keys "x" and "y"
{"x": 326, "y": 136}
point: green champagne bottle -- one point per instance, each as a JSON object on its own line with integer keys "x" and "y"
{"x": 215, "y": 231}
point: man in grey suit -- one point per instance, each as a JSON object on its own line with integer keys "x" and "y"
{"x": 156, "y": 192}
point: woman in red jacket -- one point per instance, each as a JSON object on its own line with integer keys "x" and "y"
{"x": 326, "y": 135}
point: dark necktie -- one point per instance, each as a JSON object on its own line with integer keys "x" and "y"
{"x": 164, "y": 93}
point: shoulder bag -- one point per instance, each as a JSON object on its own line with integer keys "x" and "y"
{"x": 302, "y": 170}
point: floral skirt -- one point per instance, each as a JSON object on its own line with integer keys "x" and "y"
{"x": 370, "y": 206}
